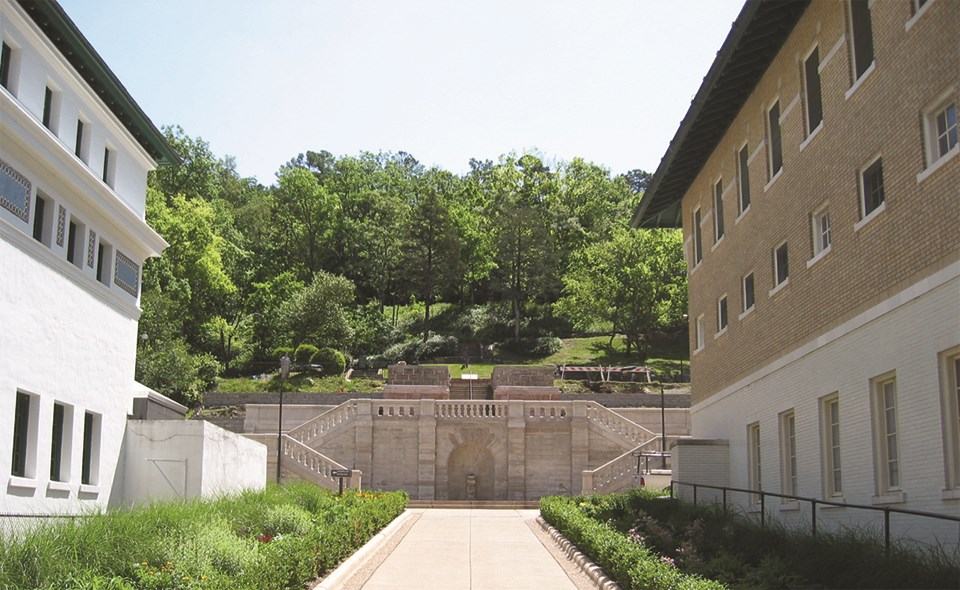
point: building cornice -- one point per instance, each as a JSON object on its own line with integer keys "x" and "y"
{"x": 756, "y": 37}
{"x": 50, "y": 17}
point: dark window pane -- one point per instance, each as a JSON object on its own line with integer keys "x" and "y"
{"x": 697, "y": 247}
{"x": 776, "y": 156}
{"x": 862, "y": 36}
{"x": 72, "y": 243}
{"x": 87, "y": 448}
{"x": 814, "y": 105}
{"x": 782, "y": 271}
{"x": 6, "y": 54}
{"x": 744, "y": 180}
{"x": 748, "y": 298}
{"x": 718, "y": 206}
{"x": 56, "y": 444}
{"x": 872, "y": 187}
{"x": 38, "y": 214}
{"x": 47, "y": 103}
{"x": 21, "y": 422}
{"x": 79, "y": 147}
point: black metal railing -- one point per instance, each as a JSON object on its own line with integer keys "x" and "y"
{"x": 814, "y": 502}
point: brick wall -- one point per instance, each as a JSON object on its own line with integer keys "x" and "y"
{"x": 418, "y": 375}
{"x": 522, "y": 376}
{"x": 914, "y": 236}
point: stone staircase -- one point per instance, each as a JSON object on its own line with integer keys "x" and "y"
{"x": 465, "y": 388}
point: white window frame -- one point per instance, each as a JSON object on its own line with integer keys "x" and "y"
{"x": 743, "y": 293}
{"x": 950, "y": 420}
{"x": 935, "y": 158}
{"x": 888, "y": 467}
{"x": 788, "y": 454}
{"x": 13, "y": 74}
{"x": 743, "y": 170}
{"x": 778, "y": 283}
{"x": 29, "y": 477}
{"x": 831, "y": 460}
{"x": 820, "y": 234}
{"x": 754, "y": 461}
{"x": 917, "y": 10}
{"x": 772, "y": 174}
{"x": 92, "y": 483}
{"x": 103, "y": 271}
{"x": 66, "y": 449}
{"x": 697, "y": 221}
{"x": 700, "y": 334}
{"x": 858, "y": 80}
{"x": 719, "y": 231}
{"x": 723, "y": 315}
{"x": 867, "y": 217}
{"x": 84, "y": 152}
{"x": 810, "y": 131}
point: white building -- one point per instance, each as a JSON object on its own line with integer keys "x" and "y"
{"x": 75, "y": 150}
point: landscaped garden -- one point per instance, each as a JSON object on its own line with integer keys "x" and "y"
{"x": 646, "y": 540}
{"x": 283, "y": 537}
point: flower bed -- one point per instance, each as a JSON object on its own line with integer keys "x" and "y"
{"x": 281, "y": 538}
{"x": 631, "y": 564}
{"x": 664, "y": 536}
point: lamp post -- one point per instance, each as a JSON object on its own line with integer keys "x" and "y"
{"x": 284, "y": 373}
{"x": 663, "y": 431}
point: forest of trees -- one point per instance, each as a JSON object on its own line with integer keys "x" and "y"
{"x": 326, "y": 254}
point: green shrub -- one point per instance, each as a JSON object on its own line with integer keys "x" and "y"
{"x": 630, "y": 564}
{"x": 332, "y": 361}
{"x": 280, "y": 538}
{"x": 304, "y": 353}
{"x": 437, "y": 345}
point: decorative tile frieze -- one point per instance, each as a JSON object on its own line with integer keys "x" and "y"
{"x": 61, "y": 222}
{"x": 14, "y": 192}
{"x": 126, "y": 274}
{"x": 91, "y": 246}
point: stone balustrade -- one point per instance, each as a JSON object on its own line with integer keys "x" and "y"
{"x": 316, "y": 466}
{"x": 470, "y": 409}
{"x": 619, "y": 425}
{"x": 312, "y": 430}
{"x": 617, "y": 474}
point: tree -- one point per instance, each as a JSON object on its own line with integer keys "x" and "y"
{"x": 433, "y": 247}
{"x": 320, "y": 314}
{"x": 526, "y": 261}
{"x": 307, "y": 210}
{"x": 635, "y": 282}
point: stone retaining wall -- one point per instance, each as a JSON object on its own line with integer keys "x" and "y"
{"x": 522, "y": 376}
{"x": 418, "y": 375}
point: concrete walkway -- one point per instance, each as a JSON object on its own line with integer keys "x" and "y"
{"x": 471, "y": 550}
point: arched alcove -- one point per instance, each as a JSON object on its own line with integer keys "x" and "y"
{"x": 467, "y": 459}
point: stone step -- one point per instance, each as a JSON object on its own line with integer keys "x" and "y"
{"x": 476, "y": 504}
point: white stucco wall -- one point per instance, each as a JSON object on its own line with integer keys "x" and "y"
{"x": 904, "y": 335}
{"x": 178, "y": 459}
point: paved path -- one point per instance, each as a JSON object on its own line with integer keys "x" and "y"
{"x": 470, "y": 550}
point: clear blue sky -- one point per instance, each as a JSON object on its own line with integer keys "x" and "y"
{"x": 445, "y": 80}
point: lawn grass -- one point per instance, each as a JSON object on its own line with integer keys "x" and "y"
{"x": 279, "y": 538}
{"x": 298, "y": 382}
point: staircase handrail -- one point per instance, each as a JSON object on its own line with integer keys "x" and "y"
{"x": 613, "y": 471}
{"x": 309, "y": 461}
{"x": 316, "y": 427}
{"x": 619, "y": 424}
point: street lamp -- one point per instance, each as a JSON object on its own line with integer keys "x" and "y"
{"x": 284, "y": 373}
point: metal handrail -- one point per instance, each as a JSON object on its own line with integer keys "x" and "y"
{"x": 813, "y": 506}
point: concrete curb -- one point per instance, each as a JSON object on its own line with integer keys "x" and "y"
{"x": 348, "y": 568}
{"x": 587, "y": 566}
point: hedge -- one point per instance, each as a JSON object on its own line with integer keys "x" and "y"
{"x": 630, "y": 564}
{"x": 278, "y": 539}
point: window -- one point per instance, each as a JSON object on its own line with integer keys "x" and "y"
{"x": 718, "y": 209}
{"x": 43, "y": 219}
{"x": 701, "y": 339}
{"x": 89, "y": 473}
{"x": 830, "y": 445}
{"x": 950, "y": 402}
{"x": 697, "y": 242}
{"x": 60, "y": 443}
{"x": 743, "y": 177}
{"x": 75, "y": 233}
{"x": 820, "y": 226}
{"x": 871, "y": 188}
{"x": 773, "y": 139}
{"x": 24, "y": 435}
{"x": 753, "y": 460}
{"x": 788, "y": 453}
{"x": 109, "y": 173}
{"x": 47, "y": 106}
{"x": 722, "y": 321}
{"x": 104, "y": 260}
{"x": 6, "y": 60}
{"x": 781, "y": 271}
{"x": 946, "y": 130}
{"x": 885, "y": 432}
{"x": 82, "y": 147}
{"x": 862, "y": 32}
{"x": 940, "y": 128}
{"x": 811, "y": 90}
{"x": 748, "y": 298}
